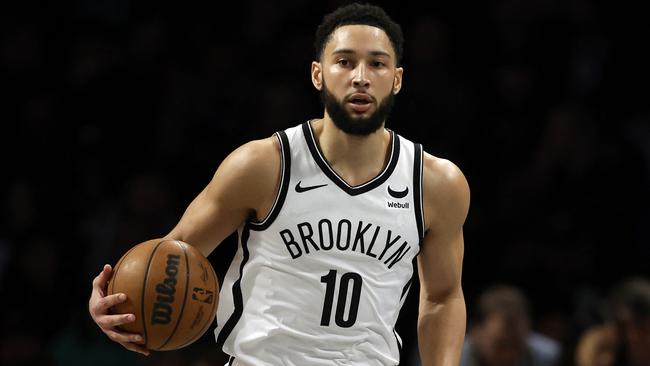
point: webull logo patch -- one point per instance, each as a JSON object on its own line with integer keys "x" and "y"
{"x": 392, "y": 204}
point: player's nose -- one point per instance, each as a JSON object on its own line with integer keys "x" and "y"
{"x": 360, "y": 78}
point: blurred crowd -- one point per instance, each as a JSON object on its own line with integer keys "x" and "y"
{"x": 117, "y": 113}
{"x": 606, "y": 330}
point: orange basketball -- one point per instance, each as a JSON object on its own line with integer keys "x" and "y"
{"x": 171, "y": 288}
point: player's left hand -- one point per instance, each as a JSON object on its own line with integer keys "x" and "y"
{"x": 98, "y": 307}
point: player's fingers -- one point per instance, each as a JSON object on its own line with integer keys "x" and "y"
{"x": 100, "y": 281}
{"x": 112, "y": 321}
{"x": 135, "y": 348}
{"x": 100, "y": 305}
{"x": 109, "y": 301}
{"x": 123, "y": 337}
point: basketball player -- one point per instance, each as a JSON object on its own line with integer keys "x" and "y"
{"x": 330, "y": 215}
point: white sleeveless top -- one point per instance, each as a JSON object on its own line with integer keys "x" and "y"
{"x": 321, "y": 280}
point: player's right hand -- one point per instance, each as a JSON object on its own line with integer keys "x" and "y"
{"x": 99, "y": 305}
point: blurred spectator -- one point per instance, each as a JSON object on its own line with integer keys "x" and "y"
{"x": 614, "y": 332}
{"x": 597, "y": 346}
{"x": 631, "y": 306}
{"x": 502, "y": 335}
{"x": 591, "y": 338}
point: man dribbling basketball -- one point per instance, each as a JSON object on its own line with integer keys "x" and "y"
{"x": 330, "y": 215}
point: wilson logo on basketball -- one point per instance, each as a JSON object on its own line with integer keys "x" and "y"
{"x": 162, "y": 310}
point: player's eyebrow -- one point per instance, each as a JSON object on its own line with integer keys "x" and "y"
{"x": 349, "y": 51}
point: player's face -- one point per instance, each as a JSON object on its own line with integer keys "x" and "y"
{"x": 358, "y": 78}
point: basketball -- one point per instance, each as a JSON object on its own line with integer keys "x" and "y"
{"x": 171, "y": 288}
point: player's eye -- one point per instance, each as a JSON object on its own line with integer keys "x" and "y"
{"x": 377, "y": 64}
{"x": 343, "y": 62}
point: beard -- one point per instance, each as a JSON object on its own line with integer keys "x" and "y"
{"x": 362, "y": 126}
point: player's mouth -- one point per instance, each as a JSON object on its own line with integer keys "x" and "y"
{"x": 360, "y": 102}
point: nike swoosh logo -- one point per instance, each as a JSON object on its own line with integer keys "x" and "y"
{"x": 398, "y": 194}
{"x": 300, "y": 189}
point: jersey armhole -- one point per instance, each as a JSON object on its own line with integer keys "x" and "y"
{"x": 285, "y": 174}
{"x": 417, "y": 188}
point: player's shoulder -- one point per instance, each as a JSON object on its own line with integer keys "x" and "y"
{"x": 252, "y": 151}
{"x": 253, "y": 163}
{"x": 255, "y": 155}
{"x": 443, "y": 172}
{"x": 444, "y": 183}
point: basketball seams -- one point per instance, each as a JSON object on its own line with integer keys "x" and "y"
{"x": 212, "y": 311}
{"x": 187, "y": 282}
{"x": 150, "y": 258}
{"x": 144, "y": 288}
{"x": 111, "y": 286}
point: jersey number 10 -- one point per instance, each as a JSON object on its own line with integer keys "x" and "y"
{"x": 330, "y": 281}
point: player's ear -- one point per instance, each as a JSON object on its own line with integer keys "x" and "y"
{"x": 397, "y": 80}
{"x": 317, "y": 75}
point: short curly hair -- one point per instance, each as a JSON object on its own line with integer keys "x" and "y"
{"x": 359, "y": 14}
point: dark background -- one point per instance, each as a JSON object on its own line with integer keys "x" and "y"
{"x": 117, "y": 113}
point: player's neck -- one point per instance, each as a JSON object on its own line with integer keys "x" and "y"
{"x": 357, "y": 159}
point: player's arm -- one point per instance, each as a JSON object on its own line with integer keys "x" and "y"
{"x": 442, "y": 314}
{"x": 243, "y": 186}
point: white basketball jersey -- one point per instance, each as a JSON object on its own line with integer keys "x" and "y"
{"x": 321, "y": 280}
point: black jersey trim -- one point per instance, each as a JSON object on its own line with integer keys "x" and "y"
{"x": 409, "y": 283}
{"x": 334, "y": 177}
{"x": 285, "y": 175}
{"x": 399, "y": 343}
{"x": 237, "y": 296}
{"x": 405, "y": 291}
{"x": 417, "y": 188}
{"x": 406, "y": 288}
